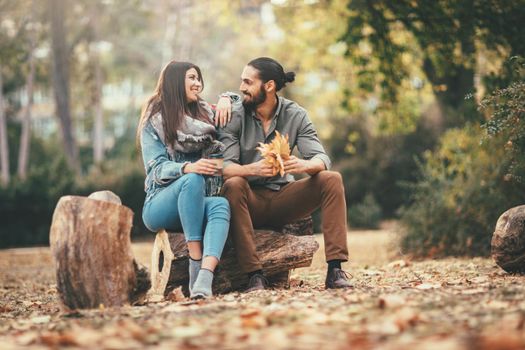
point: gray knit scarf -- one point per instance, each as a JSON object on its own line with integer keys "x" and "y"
{"x": 193, "y": 135}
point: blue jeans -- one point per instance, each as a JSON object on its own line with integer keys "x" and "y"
{"x": 182, "y": 204}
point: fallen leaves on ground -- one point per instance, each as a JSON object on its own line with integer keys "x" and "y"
{"x": 436, "y": 304}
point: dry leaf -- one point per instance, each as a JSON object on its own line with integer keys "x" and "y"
{"x": 391, "y": 301}
{"x": 27, "y": 338}
{"x": 253, "y": 319}
{"x": 53, "y": 339}
{"x": 399, "y": 264}
{"x": 406, "y": 318}
{"x": 41, "y": 319}
{"x": 276, "y": 152}
{"x": 176, "y": 295}
{"x": 427, "y": 286}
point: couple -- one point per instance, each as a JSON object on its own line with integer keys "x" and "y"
{"x": 177, "y": 135}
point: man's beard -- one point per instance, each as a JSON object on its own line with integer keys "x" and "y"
{"x": 256, "y": 100}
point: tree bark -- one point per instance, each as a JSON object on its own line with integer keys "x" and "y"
{"x": 25, "y": 138}
{"x": 279, "y": 253}
{"x": 90, "y": 243}
{"x": 98, "y": 125}
{"x": 508, "y": 240}
{"x": 4, "y": 146}
{"x": 60, "y": 70}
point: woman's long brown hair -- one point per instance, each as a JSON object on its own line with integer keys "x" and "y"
{"x": 169, "y": 99}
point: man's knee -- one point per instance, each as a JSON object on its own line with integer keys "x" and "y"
{"x": 330, "y": 180}
{"x": 235, "y": 185}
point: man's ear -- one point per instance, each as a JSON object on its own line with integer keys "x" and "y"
{"x": 269, "y": 86}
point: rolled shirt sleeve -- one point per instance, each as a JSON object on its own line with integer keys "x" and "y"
{"x": 308, "y": 143}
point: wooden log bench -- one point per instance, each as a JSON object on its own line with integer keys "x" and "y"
{"x": 280, "y": 252}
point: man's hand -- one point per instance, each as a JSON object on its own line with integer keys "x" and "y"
{"x": 202, "y": 166}
{"x": 296, "y": 165}
{"x": 262, "y": 168}
{"x": 223, "y": 111}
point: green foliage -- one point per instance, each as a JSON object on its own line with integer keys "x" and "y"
{"x": 507, "y": 120}
{"x": 366, "y": 214}
{"x": 461, "y": 193}
{"x": 449, "y": 36}
{"x": 27, "y": 207}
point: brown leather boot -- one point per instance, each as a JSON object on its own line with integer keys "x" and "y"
{"x": 337, "y": 278}
{"x": 257, "y": 282}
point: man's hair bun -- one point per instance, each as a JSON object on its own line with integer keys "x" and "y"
{"x": 289, "y": 76}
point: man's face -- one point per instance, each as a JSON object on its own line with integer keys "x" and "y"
{"x": 252, "y": 88}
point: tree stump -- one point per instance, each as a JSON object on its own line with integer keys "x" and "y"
{"x": 508, "y": 240}
{"x": 90, "y": 243}
{"x": 279, "y": 253}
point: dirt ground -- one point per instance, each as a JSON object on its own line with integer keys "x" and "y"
{"x": 396, "y": 304}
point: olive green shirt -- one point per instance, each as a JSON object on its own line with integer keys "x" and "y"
{"x": 242, "y": 135}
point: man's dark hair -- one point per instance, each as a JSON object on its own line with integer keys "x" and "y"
{"x": 270, "y": 69}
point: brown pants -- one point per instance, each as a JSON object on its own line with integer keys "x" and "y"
{"x": 261, "y": 207}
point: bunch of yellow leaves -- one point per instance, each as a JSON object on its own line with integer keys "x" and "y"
{"x": 276, "y": 152}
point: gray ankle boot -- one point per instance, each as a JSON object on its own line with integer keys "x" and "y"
{"x": 195, "y": 266}
{"x": 202, "y": 287}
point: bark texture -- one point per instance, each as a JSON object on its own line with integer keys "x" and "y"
{"x": 60, "y": 65}
{"x": 90, "y": 243}
{"x": 279, "y": 252}
{"x": 25, "y": 137}
{"x": 4, "y": 146}
{"x": 508, "y": 240}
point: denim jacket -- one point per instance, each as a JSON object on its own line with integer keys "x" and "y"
{"x": 161, "y": 169}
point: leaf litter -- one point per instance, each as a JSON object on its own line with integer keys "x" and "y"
{"x": 396, "y": 304}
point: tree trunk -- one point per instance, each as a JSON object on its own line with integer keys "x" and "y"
{"x": 4, "y": 146}
{"x": 279, "y": 253}
{"x": 184, "y": 42}
{"x": 98, "y": 125}
{"x": 169, "y": 32}
{"x": 60, "y": 69}
{"x": 90, "y": 243}
{"x": 25, "y": 138}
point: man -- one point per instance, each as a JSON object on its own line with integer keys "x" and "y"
{"x": 258, "y": 196}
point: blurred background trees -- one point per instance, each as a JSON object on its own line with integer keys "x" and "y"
{"x": 420, "y": 104}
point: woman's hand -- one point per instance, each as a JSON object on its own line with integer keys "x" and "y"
{"x": 202, "y": 166}
{"x": 223, "y": 111}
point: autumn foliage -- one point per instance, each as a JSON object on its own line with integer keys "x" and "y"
{"x": 276, "y": 152}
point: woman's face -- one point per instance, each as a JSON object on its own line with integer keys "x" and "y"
{"x": 193, "y": 85}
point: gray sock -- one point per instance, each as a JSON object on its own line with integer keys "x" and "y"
{"x": 202, "y": 286}
{"x": 195, "y": 266}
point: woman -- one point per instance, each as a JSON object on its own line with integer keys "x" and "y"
{"x": 176, "y": 135}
